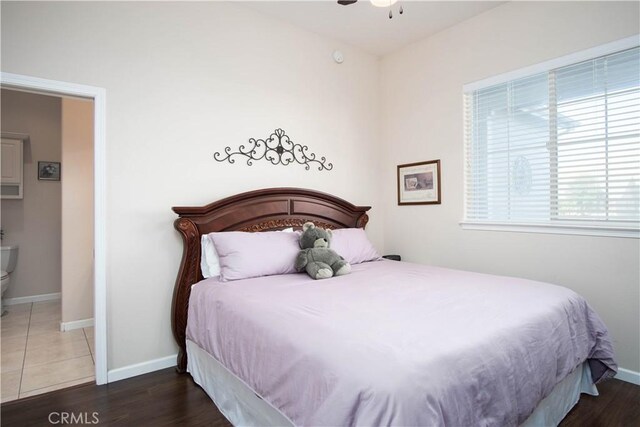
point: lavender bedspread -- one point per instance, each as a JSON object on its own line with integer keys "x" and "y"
{"x": 395, "y": 343}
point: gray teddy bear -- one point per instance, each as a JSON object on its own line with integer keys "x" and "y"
{"x": 315, "y": 257}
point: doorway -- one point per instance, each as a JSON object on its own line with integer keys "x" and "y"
{"x": 98, "y": 96}
{"x": 47, "y": 243}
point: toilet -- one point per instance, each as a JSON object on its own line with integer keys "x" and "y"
{"x": 9, "y": 259}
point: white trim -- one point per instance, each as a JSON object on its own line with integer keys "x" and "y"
{"x": 98, "y": 95}
{"x": 571, "y": 229}
{"x": 142, "y": 368}
{"x": 76, "y": 324}
{"x": 100, "y": 235}
{"x": 33, "y": 298}
{"x": 628, "y": 376}
{"x": 573, "y": 58}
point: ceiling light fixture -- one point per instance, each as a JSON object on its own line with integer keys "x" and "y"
{"x": 383, "y": 3}
{"x": 376, "y": 3}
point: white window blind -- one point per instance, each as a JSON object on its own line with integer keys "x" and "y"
{"x": 561, "y": 147}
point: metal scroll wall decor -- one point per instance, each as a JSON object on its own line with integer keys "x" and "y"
{"x": 278, "y": 149}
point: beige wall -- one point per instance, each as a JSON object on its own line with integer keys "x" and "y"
{"x": 33, "y": 222}
{"x": 423, "y": 117}
{"x": 184, "y": 80}
{"x": 77, "y": 210}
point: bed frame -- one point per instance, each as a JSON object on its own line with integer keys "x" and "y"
{"x": 260, "y": 210}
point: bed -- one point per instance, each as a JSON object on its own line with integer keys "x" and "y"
{"x": 392, "y": 343}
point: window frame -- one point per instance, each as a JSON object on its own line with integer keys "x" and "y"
{"x": 555, "y": 225}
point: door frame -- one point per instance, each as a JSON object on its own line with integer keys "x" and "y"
{"x": 98, "y": 95}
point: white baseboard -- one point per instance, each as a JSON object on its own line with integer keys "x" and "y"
{"x": 33, "y": 298}
{"x": 629, "y": 376}
{"x": 76, "y": 324}
{"x": 141, "y": 368}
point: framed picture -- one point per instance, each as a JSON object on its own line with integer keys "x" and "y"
{"x": 49, "y": 171}
{"x": 419, "y": 183}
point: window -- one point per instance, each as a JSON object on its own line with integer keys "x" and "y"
{"x": 559, "y": 148}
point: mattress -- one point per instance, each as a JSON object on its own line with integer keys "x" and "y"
{"x": 399, "y": 343}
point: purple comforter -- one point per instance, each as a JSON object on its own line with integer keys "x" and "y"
{"x": 399, "y": 343}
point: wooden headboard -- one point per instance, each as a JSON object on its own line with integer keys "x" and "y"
{"x": 260, "y": 210}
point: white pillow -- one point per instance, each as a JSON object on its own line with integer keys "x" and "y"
{"x": 209, "y": 260}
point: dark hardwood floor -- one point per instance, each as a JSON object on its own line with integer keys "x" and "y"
{"x": 162, "y": 398}
{"x": 617, "y": 406}
{"x": 165, "y": 398}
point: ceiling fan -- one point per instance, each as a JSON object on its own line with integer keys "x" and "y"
{"x": 377, "y": 3}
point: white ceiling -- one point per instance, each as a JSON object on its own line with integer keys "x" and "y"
{"x": 368, "y": 27}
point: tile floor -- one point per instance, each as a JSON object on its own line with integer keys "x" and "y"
{"x": 36, "y": 357}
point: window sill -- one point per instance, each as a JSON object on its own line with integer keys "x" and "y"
{"x": 571, "y": 229}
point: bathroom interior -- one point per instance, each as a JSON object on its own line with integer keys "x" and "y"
{"x": 47, "y": 243}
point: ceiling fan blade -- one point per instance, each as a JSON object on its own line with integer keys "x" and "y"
{"x": 346, "y": 2}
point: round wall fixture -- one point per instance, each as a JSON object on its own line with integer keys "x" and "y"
{"x": 338, "y": 56}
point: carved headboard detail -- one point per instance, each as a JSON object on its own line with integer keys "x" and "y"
{"x": 254, "y": 211}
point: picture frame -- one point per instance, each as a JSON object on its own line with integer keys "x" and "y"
{"x": 49, "y": 171}
{"x": 419, "y": 183}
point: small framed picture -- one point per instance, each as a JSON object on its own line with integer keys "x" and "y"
{"x": 419, "y": 183}
{"x": 49, "y": 171}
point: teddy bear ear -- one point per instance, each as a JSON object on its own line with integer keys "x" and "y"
{"x": 308, "y": 225}
{"x": 329, "y": 232}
